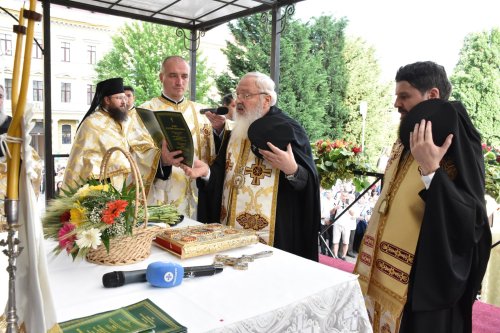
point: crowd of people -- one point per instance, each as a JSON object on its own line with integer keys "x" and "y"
{"x": 422, "y": 241}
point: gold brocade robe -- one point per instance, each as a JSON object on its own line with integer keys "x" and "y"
{"x": 179, "y": 190}
{"x": 250, "y": 191}
{"x": 97, "y": 134}
{"x": 388, "y": 248}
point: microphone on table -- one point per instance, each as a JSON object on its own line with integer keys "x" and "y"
{"x": 159, "y": 274}
{"x": 221, "y": 110}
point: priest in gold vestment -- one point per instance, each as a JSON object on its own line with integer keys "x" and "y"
{"x": 107, "y": 124}
{"x": 264, "y": 177}
{"x": 172, "y": 186}
{"x": 427, "y": 244}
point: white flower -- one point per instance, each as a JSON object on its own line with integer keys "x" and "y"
{"x": 89, "y": 238}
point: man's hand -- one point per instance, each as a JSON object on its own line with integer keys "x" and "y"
{"x": 168, "y": 157}
{"x": 283, "y": 160}
{"x": 199, "y": 169}
{"x": 217, "y": 121}
{"x": 423, "y": 149}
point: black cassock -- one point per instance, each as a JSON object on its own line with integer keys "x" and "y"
{"x": 298, "y": 204}
{"x": 455, "y": 239}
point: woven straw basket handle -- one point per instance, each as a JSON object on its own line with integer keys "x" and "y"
{"x": 139, "y": 186}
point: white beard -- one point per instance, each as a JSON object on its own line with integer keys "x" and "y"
{"x": 243, "y": 122}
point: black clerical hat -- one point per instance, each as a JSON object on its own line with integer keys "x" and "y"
{"x": 104, "y": 88}
{"x": 439, "y": 112}
{"x": 276, "y": 130}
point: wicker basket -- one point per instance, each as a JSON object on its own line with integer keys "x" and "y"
{"x": 126, "y": 250}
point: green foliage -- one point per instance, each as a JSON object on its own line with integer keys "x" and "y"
{"x": 364, "y": 85}
{"x": 492, "y": 171}
{"x": 302, "y": 86}
{"x": 476, "y": 82}
{"x": 323, "y": 77}
{"x": 337, "y": 160}
{"x": 138, "y": 50}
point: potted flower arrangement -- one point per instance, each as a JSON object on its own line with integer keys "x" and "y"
{"x": 492, "y": 171}
{"x": 338, "y": 159}
{"x": 90, "y": 216}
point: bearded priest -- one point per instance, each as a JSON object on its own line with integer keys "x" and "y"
{"x": 264, "y": 177}
{"x": 108, "y": 123}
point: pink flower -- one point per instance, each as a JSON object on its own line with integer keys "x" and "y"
{"x": 66, "y": 240}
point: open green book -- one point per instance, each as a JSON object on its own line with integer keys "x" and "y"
{"x": 141, "y": 317}
{"x": 171, "y": 126}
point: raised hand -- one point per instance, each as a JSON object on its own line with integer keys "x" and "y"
{"x": 423, "y": 149}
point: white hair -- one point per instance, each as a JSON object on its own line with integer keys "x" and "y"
{"x": 264, "y": 83}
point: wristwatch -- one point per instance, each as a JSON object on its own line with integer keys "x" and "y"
{"x": 293, "y": 175}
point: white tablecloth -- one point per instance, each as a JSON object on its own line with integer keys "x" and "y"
{"x": 281, "y": 293}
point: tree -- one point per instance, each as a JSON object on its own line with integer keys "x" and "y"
{"x": 328, "y": 38}
{"x": 476, "y": 82}
{"x": 302, "y": 85}
{"x": 138, "y": 50}
{"x": 364, "y": 85}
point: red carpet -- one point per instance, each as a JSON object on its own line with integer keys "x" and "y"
{"x": 485, "y": 317}
{"x": 337, "y": 263}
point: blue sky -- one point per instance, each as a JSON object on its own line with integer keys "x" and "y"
{"x": 407, "y": 31}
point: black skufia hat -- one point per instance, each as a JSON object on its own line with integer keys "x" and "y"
{"x": 272, "y": 129}
{"x": 104, "y": 88}
{"x": 441, "y": 113}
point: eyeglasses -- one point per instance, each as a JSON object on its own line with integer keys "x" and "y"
{"x": 247, "y": 96}
{"x": 123, "y": 98}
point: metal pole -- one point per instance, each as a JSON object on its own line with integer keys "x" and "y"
{"x": 363, "y": 108}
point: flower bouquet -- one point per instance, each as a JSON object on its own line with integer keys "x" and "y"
{"x": 100, "y": 223}
{"x": 492, "y": 171}
{"x": 90, "y": 216}
{"x": 337, "y": 160}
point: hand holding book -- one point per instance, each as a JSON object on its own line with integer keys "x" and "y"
{"x": 171, "y": 127}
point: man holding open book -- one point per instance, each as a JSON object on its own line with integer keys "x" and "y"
{"x": 171, "y": 185}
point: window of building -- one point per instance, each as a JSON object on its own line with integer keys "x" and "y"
{"x": 66, "y": 54}
{"x": 37, "y": 91}
{"x": 66, "y": 134}
{"x": 37, "y": 52}
{"x": 90, "y": 93}
{"x": 65, "y": 92}
{"x": 5, "y": 44}
{"x": 8, "y": 89}
{"x": 91, "y": 50}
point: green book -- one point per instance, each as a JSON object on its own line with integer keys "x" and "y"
{"x": 141, "y": 317}
{"x": 171, "y": 126}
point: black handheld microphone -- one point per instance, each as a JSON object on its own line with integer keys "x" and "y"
{"x": 221, "y": 110}
{"x": 159, "y": 274}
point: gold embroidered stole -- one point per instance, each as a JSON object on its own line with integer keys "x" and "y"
{"x": 179, "y": 190}
{"x": 388, "y": 247}
{"x": 250, "y": 191}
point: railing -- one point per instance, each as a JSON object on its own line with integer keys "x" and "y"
{"x": 378, "y": 177}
